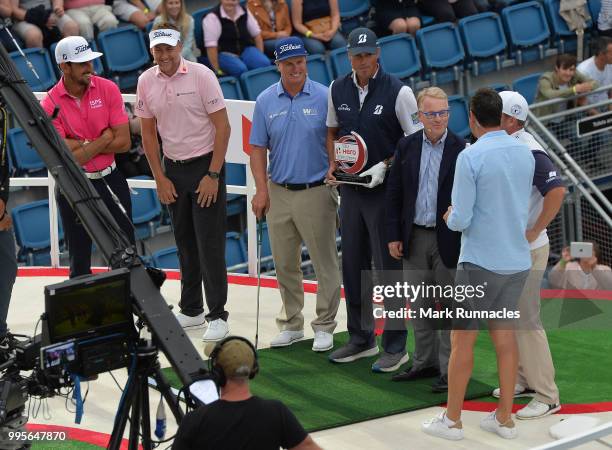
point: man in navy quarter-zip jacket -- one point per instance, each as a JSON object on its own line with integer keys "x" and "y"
{"x": 381, "y": 109}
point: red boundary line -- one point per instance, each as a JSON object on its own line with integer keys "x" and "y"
{"x": 77, "y": 434}
{"x": 570, "y": 408}
{"x": 309, "y": 286}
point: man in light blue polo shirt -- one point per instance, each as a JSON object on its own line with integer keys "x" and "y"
{"x": 289, "y": 121}
{"x": 490, "y": 206}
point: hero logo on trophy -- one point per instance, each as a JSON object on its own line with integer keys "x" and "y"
{"x": 351, "y": 157}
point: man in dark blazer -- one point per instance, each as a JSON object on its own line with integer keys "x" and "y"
{"x": 418, "y": 194}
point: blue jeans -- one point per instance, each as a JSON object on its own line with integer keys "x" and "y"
{"x": 251, "y": 58}
{"x": 8, "y": 273}
{"x": 314, "y": 46}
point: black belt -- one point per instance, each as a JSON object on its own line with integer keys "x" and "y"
{"x": 301, "y": 187}
{"x": 189, "y": 160}
{"x": 423, "y": 227}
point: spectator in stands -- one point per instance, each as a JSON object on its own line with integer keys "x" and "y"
{"x": 233, "y": 40}
{"x": 88, "y": 13}
{"x": 174, "y": 12}
{"x": 398, "y": 16}
{"x": 562, "y": 82}
{"x": 273, "y": 19}
{"x": 599, "y": 68}
{"x": 604, "y": 20}
{"x": 136, "y": 12}
{"x": 239, "y": 419}
{"x": 448, "y": 10}
{"x": 6, "y": 12}
{"x": 317, "y": 22}
{"x": 582, "y": 273}
{"x": 40, "y": 23}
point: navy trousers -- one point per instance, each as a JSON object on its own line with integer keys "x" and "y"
{"x": 362, "y": 216}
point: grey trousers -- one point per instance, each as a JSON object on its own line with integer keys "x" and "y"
{"x": 8, "y": 273}
{"x": 422, "y": 264}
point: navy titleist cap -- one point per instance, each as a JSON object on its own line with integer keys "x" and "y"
{"x": 362, "y": 40}
{"x": 289, "y": 48}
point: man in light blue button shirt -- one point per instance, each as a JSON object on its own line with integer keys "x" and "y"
{"x": 289, "y": 120}
{"x": 490, "y": 205}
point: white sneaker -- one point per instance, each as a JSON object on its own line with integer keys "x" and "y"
{"x": 191, "y": 322}
{"x": 438, "y": 427}
{"x": 286, "y": 337}
{"x": 536, "y": 409}
{"x": 506, "y": 430}
{"x": 519, "y": 391}
{"x": 217, "y": 330}
{"x": 323, "y": 341}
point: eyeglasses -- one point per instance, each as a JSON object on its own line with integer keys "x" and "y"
{"x": 433, "y": 114}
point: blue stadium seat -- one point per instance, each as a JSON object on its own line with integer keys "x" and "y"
{"x": 25, "y": 159}
{"x": 459, "y": 121}
{"x": 426, "y": 21}
{"x": 257, "y": 80}
{"x": 564, "y": 38}
{"x": 527, "y": 86}
{"x": 442, "y": 52}
{"x": 340, "y": 61}
{"x": 231, "y": 88}
{"x": 319, "y": 70}
{"x": 485, "y": 42}
{"x": 235, "y": 253}
{"x": 125, "y": 54}
{"x": 235, "y": 175}
{"x": 399, "y": 56}
{"x": 198, "y": 32}
{"x": 146, "y": 210}
{"x": 527, "y": 30}
{"x": 40, "y": 59}
{"x": 166, "y": 258}
{"x": 353, "y": 8}
{"x": 31, "y": 223}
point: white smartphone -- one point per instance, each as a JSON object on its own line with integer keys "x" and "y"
{"x": 581, "y": 249}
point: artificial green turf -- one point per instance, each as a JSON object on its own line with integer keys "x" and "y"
{"x": 325, "y": 395}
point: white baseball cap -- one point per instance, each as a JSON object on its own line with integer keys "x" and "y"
{"x": 514, "y": 105}
{"x": 74, "y": 49}
{"x": 164, "y": 36}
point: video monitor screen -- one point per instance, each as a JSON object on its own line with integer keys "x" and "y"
{"x": 91, "y": 306}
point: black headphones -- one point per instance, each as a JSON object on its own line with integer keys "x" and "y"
{"x": 216, "y": 371}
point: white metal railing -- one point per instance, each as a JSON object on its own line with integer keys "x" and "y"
{"x": 248, "y": 190}
{"x": 594, "y": 434}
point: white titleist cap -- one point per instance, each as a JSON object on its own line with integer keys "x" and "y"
{"x": 74, "y": 49}
{"x": 164, "y": 36}
{"x": 515, "y": 105}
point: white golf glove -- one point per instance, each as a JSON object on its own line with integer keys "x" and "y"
{"x": 377, "y": 172}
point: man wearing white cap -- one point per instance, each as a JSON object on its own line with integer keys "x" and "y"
{"x": 536, "y": 376}
{"x": 94, "y": 124}
{"x": 183, "y": 101}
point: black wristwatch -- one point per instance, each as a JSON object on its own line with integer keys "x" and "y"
{"x": 213, "y": 175}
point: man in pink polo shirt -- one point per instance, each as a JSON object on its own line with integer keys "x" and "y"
{"x": 183, "y": 102}
{"x": 93, "y": 122}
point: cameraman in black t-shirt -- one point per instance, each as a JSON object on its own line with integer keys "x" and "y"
{"x": 240, "y": 420}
